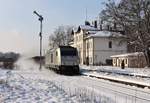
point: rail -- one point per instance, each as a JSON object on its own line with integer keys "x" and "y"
{"x": 124, "y": 82}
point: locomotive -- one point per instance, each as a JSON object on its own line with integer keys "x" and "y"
{"x": 63, "y": 60}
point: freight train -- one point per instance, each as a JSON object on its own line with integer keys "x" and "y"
{"x": 63, "y": 60}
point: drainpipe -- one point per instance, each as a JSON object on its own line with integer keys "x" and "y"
{"x": 93, "y": 51}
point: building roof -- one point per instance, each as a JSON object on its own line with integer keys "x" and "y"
{"x": 128, "y": 55}
{"x": 86, "y": 28}
{"x": 62, "y": 46}
{"x": 91, "y": 32}
{"x": 104, "y": 34}
{"x": 107, "y": 34}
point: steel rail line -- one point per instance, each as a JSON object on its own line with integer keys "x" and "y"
{"x": 117, "y": 82}
{"x": 115, "y": 91}
{"x": 121, "y": 92}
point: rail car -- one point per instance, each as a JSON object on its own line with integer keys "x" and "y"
{"x": 63, "y": 60}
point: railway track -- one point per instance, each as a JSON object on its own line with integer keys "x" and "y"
{"x": 117, "y": 80}
{"x": 136, "y": 93}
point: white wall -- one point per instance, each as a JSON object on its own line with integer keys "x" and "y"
{"x": 102, "y": 50}
{"x": 89, "y": 50}
{"x": 98, "y": 50}
{"x": 80, "y": 45}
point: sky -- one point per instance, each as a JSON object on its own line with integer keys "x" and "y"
{"x": 19, "y": 27}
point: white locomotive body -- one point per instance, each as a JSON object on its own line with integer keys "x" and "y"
{"x": 63, "y": 59}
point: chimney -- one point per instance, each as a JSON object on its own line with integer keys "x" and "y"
{"x": 95, "y": 24}
{"x": 87, "y": 23}
{"x": 72, "y": 32}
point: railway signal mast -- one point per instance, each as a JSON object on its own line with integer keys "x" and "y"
{"x": 40, "y": 34}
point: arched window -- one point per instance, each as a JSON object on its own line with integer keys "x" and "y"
{"x": 56, "y": 53}
{"x": 110, "y": 44}
{"x": 51, "y": 58}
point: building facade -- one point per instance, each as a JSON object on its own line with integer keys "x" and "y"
{"x": 96, "y": 46}
{"x": 131, "y": 60}
{"x": 79, "y": 41}
{"x": 102, "y": 45}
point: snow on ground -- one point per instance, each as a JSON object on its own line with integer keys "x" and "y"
{"x": 29, "y": 84}
{"x": 22, "y": 90}
{"x": 128, "y": 74}
{"x": 135, "y": 71}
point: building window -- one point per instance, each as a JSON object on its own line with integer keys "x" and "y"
{"x": 56, "y": 53}
{"x": 126, "y": 61}
{"x": 114, "y": 61}
{"x": 109, "y": 61}
{"x": 118, "y": 62}
{"x": 110, "y": 44}
{"x": 51, "y": 58}
{"x": 76, "y": 38}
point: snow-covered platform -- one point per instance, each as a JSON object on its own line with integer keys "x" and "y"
{"x": 137, "y": 76}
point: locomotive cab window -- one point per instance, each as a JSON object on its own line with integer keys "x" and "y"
{"x": 68, "y": 52}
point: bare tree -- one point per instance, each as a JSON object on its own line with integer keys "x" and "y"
{"x": 134, "y": 17}
{"x": 61, "y": 36}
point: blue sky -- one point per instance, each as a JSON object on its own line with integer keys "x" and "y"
{"x": 19, "y": 27}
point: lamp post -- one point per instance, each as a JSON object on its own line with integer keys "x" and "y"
{"x": 40, "y": 34}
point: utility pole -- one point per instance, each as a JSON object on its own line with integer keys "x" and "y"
{"x": 40, "y": 34}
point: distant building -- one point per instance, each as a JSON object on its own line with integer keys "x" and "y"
{"x": 79, "y": 40}
{"x": 131, "y": 60}
{"x": 95, "y": 46}
{"x": 103, "y": 44}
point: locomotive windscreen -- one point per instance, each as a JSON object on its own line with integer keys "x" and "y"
{"x": 69, "y": 52}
